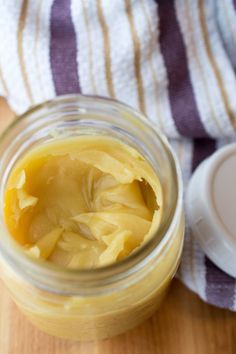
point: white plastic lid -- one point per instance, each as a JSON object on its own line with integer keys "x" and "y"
{"x": 211, "y": 207}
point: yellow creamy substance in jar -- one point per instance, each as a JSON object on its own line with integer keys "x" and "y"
{"x": 82, "y": 202}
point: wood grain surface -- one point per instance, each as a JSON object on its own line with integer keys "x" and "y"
{"x": 183, "y": 324}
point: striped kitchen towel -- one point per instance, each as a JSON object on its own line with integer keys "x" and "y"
{"x": 173, "y": 60}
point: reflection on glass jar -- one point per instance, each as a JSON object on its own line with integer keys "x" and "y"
{"x": 100, "y": 302}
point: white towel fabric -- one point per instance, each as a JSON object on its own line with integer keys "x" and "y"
{"x": 173, "y": 60}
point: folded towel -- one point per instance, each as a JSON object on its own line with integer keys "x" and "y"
{"x": 173, "y": 60}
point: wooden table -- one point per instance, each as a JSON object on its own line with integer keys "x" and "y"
{"x": 184, "y": 324}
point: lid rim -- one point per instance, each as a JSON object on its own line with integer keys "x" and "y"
{"x": 207, "y": 227}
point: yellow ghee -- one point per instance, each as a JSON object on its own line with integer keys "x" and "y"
{"x": 82, "y": 202}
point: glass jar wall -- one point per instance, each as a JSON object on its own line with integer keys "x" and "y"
{"x": 93, "y": 303}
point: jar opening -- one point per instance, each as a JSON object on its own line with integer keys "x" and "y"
{"x": 74, "y": 115}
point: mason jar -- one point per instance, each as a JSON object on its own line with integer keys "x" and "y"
{"x": 93, "y": 303}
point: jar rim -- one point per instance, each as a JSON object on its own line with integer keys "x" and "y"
{"x": 91, "y": 278}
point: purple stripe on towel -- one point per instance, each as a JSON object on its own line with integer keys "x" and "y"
{"x": 202, "y": 148}
{"x": 234, "y": 3}
{"x": 182, "y": 100}
{"x": 219, "y": 285}
{"x": 63, "y": 51}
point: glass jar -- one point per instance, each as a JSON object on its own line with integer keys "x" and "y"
{"x": 102, "y": 302}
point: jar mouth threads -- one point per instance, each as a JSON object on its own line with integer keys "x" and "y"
{"x": 69, "y": 116}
